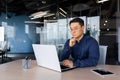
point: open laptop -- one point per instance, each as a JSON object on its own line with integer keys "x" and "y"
{"x": 46, "y": 56}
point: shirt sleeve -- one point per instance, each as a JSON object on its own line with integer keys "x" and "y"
{"x": 93, "y": 56}
{"x": 66, "y": 51}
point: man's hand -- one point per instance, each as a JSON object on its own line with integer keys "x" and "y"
{"x": 72, "y": 42}
{"x": 68, "y": 63}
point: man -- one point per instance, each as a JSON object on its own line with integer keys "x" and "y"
{"x": 83, "y": 48}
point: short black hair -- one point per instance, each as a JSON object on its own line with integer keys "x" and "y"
{"x": 79, "y": 20}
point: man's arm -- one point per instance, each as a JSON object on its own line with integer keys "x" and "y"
{"x": 92, "y": 58}
{"x": 66, "y": 51}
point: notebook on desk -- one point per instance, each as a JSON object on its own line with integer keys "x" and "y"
{"x": 46, "y": 56}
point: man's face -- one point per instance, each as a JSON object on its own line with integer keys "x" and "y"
{"x": 76, "y": 30}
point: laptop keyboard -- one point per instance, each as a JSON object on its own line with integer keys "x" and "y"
{"x": 63, "y": 67}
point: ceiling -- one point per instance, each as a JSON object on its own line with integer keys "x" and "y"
{"x": 72, "y": 7}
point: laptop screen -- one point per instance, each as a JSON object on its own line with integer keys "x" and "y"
{"x": 46, "y": 56}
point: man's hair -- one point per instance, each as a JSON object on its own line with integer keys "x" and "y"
{"x": 79, "y": 20}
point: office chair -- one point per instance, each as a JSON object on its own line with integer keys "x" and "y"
{"x": 3, "y": 47}
{"x": 103, "y": 53}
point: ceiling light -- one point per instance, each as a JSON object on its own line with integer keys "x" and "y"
{"x": 108, "y": 29}
{"x": 62, "y": 14}
{"x": 50, "y": 21}
{"x": 44, "y": 2}
{"x": 104, "y": 24}
{"x": 48, "y": 15}
{"x": 106, "y": 21}
{"x": 41, "y": 14}
{"x": 101, "y": 1}
{"x": 36, "y": 22}
{"x": 63, "y": 10}
{"x": 38, "y": 14}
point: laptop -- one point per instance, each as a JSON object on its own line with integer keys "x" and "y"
{"x": 46, "y": 56}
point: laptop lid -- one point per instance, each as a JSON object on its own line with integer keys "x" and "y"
{"x": 46, "y": 56}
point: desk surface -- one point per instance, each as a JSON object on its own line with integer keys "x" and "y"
{"x": 14, "y": 71}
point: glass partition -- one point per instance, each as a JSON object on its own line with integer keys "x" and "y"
{"x": 57, "y": 32}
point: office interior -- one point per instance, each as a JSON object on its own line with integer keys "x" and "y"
{"x": 27, "y": 22}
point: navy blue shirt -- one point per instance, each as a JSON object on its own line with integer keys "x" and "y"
{"x": 84, "y": 53}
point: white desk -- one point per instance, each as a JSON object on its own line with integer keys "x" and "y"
{"x": 14, "y": 71}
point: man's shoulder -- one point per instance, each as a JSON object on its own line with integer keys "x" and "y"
{"x": 89, "y": 38}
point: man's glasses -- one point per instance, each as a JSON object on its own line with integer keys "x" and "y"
{"x": 74, "y": 29}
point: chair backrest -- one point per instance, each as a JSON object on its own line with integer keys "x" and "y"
{"x": 103, "y": 53}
